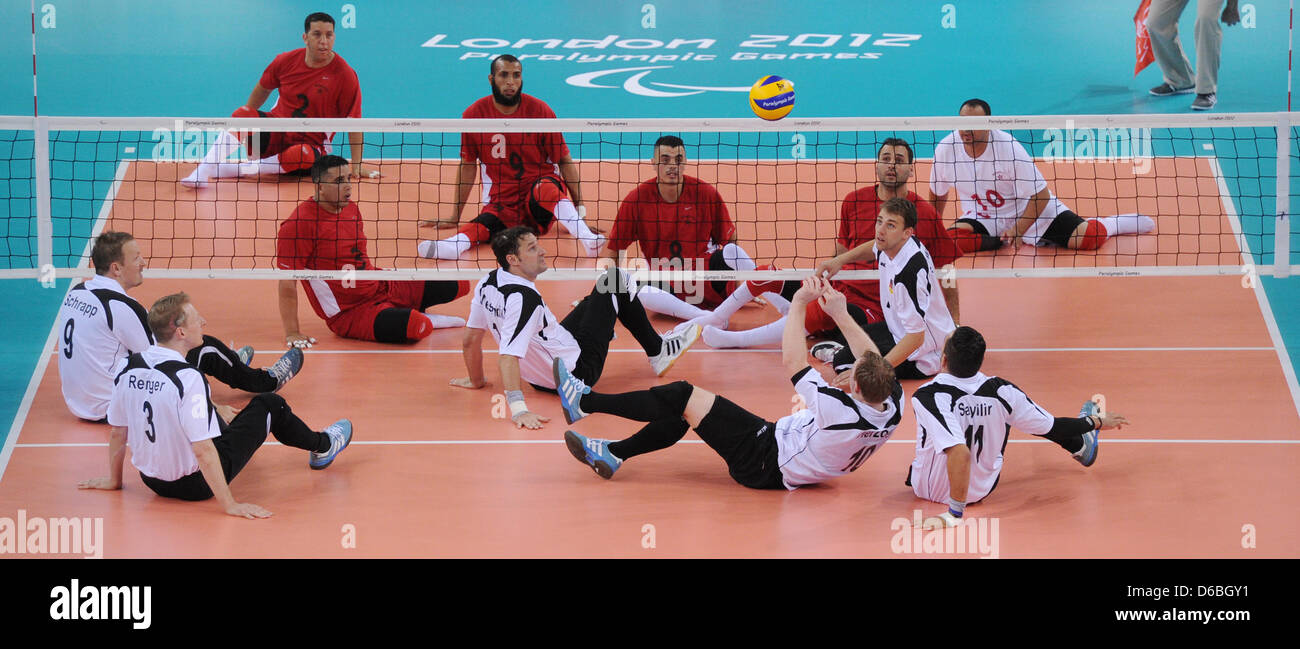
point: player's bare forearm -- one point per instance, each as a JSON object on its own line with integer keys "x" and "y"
{"x": 210, "y": 465}
{"x": 864, "y": 253}
{"x": 840, "y": 249}
{"x": 958, "y": 471}
{"x": 794, "y": 349}
{"x": 116, "y": 454}
{"x": 472, "y": 351}
{"x": 950, "y": 298}
{"x": 858, "y": 340}
{"x": 940, "y": 203}
{"x": 288, "y": 290}
{"x": 509, "y": 372}
{"x": 357, "y": 143}
{"x": 910, "y": 343}
{"x": 257, "y": 97}
{"x": 569, "y": 171}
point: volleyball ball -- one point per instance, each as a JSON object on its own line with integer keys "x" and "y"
{"x": 772, "y": 97}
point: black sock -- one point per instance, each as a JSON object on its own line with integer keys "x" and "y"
{"x": 1067, "y": 441}
{"x": 652, "y": 437}
{"x": 324, "y": 444}
{"x": 659, "y": 402}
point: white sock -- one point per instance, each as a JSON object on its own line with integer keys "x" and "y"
{"x": 736, "y": 257}
{"x": 764, "y": 335}
{"x": 738, "y": 298}
{"x": 211, "y": 164}
{"x": 444, "y": 321}
{"x": 1127, "y": 224}
{"x": 449, "y": 248}
{"x": 658, "y": 300}
{"x": 777, "y": 300}
{"x": 568, "y": 216}
{"x": 266, "y": 166}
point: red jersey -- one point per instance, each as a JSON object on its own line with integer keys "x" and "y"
{"x": 858, "y": 215}
{"x": 314, "y": 239}
{"x": 683, "y": 229}
{"x": 512, "y": 162}
{"x": 328, "y": 92}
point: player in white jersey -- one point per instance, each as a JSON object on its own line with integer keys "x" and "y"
{"x": 180, "y": 441}
{"x": 963, "y": 420}
{"x": 916, "y": 316}
{"x": 100, "y": 325}
{"x": 831, "y": 437}
{"x": 532, "y": 339}
{"x": 1005, "y": 199}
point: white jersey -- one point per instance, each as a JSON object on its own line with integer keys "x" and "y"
{"x": 834, "y": 434}
{"x": 977, "y": 411}
{"x": 99, "y": 326}
{"x": 913, "y": 302}
{"x": 164, "y": 404}
{"x": 511, "y": 308}
{"x": 994, "y": 188}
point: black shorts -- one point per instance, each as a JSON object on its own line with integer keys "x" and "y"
{"x": 879, "y": 333}
{"x": 1062, "y": 228}
{"x": 745, "y": 441}
{"x": 975, "y": 225}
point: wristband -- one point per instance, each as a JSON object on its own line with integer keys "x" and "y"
{"x": 516, "y": 400}
{"x": 956, "y": 507}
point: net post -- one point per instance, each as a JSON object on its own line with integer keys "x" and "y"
{"x": 1282, "y": 226}
{"x": 44, "y": 224}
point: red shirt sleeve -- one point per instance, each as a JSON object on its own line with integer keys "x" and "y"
{"x": 624, "y": 231}
{"x": 723, "y": 229}
{"x": 271, "y": 75}
{"x": 350, "y": 96}
{"x": 943, "y": 250}
{"x": 295, "y": 242}
{"x": 845, "y": 214}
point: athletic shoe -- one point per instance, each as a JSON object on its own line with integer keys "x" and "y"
{"x": 245, "y": 354}
{"x": 194, "y": 182}
{"x": 825, "y": 351}
{"x": 1205, "y": 101}
{"x": 1166, "y": 90}
{"x": 286, "y": 368}
{"x": 593, "y": 453}
{"x": 570, "y": 388}
{"x": 1088, "y": 454}
{"x": 340, "y": 434}
{"x": 675, "y": 343}
{"x": 445, "y": 321}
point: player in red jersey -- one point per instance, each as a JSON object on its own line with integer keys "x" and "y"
{"x": 528, "y": 178}
{"x": 679, "y": 222}
{"x": 857, "y": 232}
{"x": 326, "y": 233}
{"x": 313, "y": 81}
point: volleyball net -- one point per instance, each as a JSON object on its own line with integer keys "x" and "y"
{"x": 1217, "y": 188}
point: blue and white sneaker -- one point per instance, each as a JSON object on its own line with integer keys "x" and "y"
{"x": 594, "y": 453}
{"x": 570, "y": 389}
{"x": 340, "y": 434}
{"x": 245, "y": 354}
{"x": 1088, "y": 454}
{"x": 286, "y": 368}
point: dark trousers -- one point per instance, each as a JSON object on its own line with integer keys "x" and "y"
{"x": 239, "y": 440}
{"x": 218, "y": 361}
{"x": 879, "y": 333}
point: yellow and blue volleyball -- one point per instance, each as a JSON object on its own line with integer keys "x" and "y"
{"x": 772, "y": 97}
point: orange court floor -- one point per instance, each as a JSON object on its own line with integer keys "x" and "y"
{"x": 436, "y": 471}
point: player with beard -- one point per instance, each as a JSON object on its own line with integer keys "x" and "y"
{"x": 528, "y": 178}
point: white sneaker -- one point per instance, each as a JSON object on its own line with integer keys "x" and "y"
{"x": 445, "y": 321}
{"x": 675, "y": 343}
{"x": 194, "y": 181}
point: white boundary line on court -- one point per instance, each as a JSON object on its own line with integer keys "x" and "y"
{"x": 1229, "y": 208}
{"x": 38, "y": 373}
{"x": 498, "y": 442}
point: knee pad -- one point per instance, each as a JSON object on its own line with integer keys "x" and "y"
{"x": 297, "y": 157}
{"x": 673, "y": 396}
{"x": 398, "y": 325}
{"x": 442, "y": 292}
{"x": 1094, "y": 235}
{"x": 967, "y": 240}
{"x": 547, "y": 192}
{"x": 245, "y": 111}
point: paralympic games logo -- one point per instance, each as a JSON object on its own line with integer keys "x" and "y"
{"x": 634, "y": 85}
